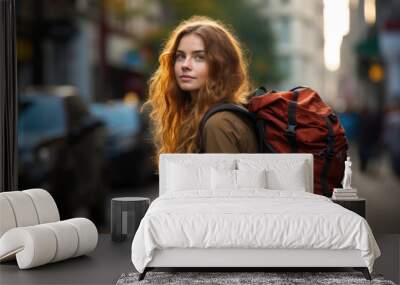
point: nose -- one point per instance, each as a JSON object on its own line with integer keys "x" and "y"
{"x": 187, "y": 64}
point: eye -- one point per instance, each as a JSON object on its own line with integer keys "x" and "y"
{"x": 179, "y": 56}
{"x": 199, "y": 57}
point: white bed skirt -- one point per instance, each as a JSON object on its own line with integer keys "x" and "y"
{"x": 213, "y": 257}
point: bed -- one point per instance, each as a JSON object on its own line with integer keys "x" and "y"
{"x": 246, "y": 211}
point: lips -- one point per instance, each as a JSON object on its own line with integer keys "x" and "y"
{"x": 186, "y": 77}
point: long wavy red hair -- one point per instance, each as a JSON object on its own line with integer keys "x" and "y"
{"x": 176, "y": 116}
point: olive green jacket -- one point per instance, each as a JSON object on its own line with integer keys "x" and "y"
{"x": 227, "y": 132}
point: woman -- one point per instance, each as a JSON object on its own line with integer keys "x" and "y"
{"x": 201, "y": 65}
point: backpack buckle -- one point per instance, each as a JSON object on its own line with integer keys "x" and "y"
{"x": 291, "y": 130}
{"x": 330, "y": 138}
{"x": 325, "y": 153}
{"x": 330, "y": 154}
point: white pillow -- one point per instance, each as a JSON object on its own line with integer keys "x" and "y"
{"x": 223, "y": 179}
{"x": 293, "y": 180}
{"x": 183, "y": 177}
{"x": 282, "y": 174}
{"x": 189, "y": 174}
{"x": 251, "y": 178}
{"x": 236, "y": 179}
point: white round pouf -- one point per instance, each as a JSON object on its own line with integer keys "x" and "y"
{"x": 23, "y": 208}
{"x": 45, "y": 205}
{"x": 67, "y": 240}
{"x": 87, "y": 234}
{"x": 7, "y": 218}
{"x": 33, "y": 246}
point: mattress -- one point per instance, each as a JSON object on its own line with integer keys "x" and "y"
{"x": 250, "y": 218}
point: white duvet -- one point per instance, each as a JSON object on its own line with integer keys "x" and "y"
{"x": 253, "y": 218}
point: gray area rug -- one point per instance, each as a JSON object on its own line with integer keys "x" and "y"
{"x": 225, "y": 278}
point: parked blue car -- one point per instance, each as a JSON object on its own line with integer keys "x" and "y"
{"x": 80, "y": 151}
{"x": 49, "y": 117}
{"x": 128, "y": 150}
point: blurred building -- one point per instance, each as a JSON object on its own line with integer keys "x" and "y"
{"x": 376, "y": 42}
{"x": 93, "y": 45}
{"x": 388, "y": 24}
{"x": 299, "y": 30}
{"x": 352, "y": 93}
{"x": 369, "y": 78}
{"x": 370, "y": 70}
{"x": 86, "y": 144}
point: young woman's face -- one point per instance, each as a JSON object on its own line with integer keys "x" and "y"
{"x": 191, "y": 67}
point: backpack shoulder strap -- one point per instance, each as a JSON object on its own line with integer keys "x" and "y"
{"x": 224, "y": 107}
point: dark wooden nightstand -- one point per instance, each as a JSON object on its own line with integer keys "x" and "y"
{"x": 356, "y": 205}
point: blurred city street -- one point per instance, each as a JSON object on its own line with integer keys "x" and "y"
{"x": 381, "y": 188}
{"x": 92, "y": 91}
{"x": 83, "y": 70}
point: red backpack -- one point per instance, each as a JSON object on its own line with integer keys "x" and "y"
{"x": 296, "y": 121}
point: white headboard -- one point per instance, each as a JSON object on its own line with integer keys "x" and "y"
{"x": 214, "y": 157}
